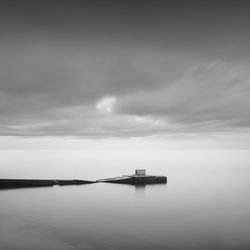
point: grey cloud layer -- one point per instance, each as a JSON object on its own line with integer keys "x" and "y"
{"x": 216, "y": 94}
{"x": 51, "y": 90}
{"x": 38, "y": 81}
{"x": 172, "y": 67}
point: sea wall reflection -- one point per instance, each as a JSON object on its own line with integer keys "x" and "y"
{"x": 141, "y": 190}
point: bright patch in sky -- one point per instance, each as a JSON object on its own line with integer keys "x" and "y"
{"x": 147, "y": 120}
{"x": 106, "y": 104}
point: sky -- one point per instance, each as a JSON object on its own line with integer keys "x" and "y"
{"x": 145, "y": 74}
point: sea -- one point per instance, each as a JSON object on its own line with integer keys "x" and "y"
{"x": 205, "y": 204}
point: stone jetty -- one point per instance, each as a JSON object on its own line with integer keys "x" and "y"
{"x": 21, "y": 183}
{"x": 139, "y": 178}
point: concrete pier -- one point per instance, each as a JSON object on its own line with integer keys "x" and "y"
{"x": 139, "y": 178}
{"x": 21, "y": 183}
{"x": 72, "y": 182}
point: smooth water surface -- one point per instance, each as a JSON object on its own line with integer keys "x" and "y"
{"x": 204, "y": 205}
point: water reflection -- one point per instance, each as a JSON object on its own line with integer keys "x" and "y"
{"x": 24, "y": 187}
{"x": 140, "y": 190}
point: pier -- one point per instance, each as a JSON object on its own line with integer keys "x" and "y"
{"x": 139, "y": 178}
{"x": 22, "y": 183}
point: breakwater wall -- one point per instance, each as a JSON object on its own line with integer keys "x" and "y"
{"x": 20, "y": 183}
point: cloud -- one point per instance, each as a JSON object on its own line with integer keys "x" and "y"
{"x": 211, "y": 96}
{"x": 42, "y": 85}
{"x": 106, "y": 104}
{"x": 80, "y": 89}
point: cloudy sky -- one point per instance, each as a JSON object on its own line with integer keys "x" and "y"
{"x": 125, "y": 70}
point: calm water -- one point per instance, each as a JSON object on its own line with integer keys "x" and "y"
{"x": 205, "y": 204}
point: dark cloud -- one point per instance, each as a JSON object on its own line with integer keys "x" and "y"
{"x": 214, "y": 94}
{"x": 172, "y": 66}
